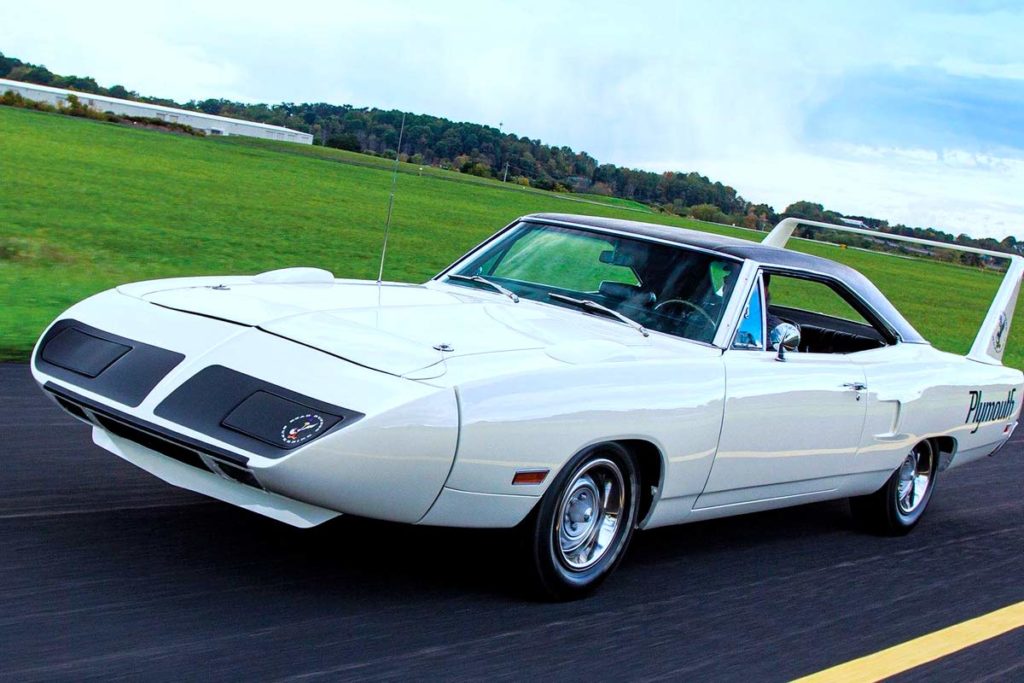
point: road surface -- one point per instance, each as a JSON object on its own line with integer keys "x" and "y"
{"x": 107, "y": 572}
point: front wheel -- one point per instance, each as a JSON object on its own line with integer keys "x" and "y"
{"x": 897, "y": 507}
{"x": 579, "y": 531}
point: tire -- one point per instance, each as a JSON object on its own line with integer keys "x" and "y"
{"x": 571, "y": 547}
{"x": 897, "y": 507}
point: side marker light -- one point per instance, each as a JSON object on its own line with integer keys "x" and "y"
{"x": 526, "y": 477}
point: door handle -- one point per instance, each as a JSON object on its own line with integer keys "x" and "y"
{"x": 856, "y": 386}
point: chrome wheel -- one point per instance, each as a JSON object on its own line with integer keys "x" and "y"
{"x": 590, "y": 515}
{"x": 914, "y": 479}
{"x": 897, "y": 507}
{"x": 581, "y": 528}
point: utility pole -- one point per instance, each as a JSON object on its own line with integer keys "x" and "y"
{"x": 500, "y": 136}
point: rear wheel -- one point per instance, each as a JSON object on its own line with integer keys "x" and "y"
{"x": 897, "y": 507}
{"x": 579, "y": 532}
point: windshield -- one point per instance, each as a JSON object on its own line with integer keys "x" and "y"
{"x": 663, "y": 287}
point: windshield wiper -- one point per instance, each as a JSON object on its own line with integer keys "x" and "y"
{"x": 588, "y": 305}
{"x": 484, "y": 281}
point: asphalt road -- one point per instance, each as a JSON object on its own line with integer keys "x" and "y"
{"x": 106, "y": 572}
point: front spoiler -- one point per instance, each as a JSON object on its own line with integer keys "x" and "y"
{"x": 96, "y": 414}
{"x": 287, "y": 510}
{"x": 186, "y": 462}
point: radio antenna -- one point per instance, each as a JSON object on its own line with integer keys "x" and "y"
{"x": 391, "y": 202}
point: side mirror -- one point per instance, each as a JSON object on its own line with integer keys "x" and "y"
{"x": 784, "y": 337}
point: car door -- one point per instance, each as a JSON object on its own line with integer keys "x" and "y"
{"x": 791, "y": 428}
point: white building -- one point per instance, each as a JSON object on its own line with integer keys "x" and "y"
{"x": 855, "y": 223}
{"x": 208, "y": 123}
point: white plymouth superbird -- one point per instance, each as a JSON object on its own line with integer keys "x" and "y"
{"x": 575, "y": 377}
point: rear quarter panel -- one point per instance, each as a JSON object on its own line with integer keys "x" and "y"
{"x": 917, "y": 392}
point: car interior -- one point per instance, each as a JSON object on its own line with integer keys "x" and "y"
{"x": 821, "y": 333}
{"x": 830, "y": 320}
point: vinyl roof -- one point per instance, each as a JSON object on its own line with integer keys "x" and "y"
{"x": 770, "y": 257}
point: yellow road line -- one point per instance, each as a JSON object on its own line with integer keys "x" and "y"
{"x": 925, "y": 649}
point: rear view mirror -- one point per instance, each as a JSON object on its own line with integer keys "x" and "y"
{"x": 616, "y": 258}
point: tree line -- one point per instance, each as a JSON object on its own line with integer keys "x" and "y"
{"x": 489, "y": 152}
{"x": 484, "y": 151}
{"x": 817, "y": 212}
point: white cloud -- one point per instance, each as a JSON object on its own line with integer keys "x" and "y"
{"x": 971, "y": 69}
{"x": 955, "y": 191}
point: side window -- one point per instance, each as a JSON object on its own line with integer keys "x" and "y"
{"x": 811, "y": 296}
{"x": 827, "y": 320}
{"x": 750, "y": 333}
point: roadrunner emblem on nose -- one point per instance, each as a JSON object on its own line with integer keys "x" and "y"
{"x": 301, "y": 428}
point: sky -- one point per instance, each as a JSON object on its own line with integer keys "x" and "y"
{"x": 908, "y": 111}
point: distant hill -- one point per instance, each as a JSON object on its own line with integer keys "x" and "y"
{"x": 485, "y": 151}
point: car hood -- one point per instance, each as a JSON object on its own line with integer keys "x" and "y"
{"x": 405, "y": 330}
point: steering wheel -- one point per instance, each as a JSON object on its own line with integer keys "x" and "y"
{"x": 689, "y": 304}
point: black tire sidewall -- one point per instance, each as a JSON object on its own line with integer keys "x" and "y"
{"x": 880, "y": 512}
{"x": 897, "y": 518}
{"x": 555, "y": 579}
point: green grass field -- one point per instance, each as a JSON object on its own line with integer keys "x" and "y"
{"x": 86, "y": 205}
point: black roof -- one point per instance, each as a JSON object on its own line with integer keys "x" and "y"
{"x": 771, "y": 257}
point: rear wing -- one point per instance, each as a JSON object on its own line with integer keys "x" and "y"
{"x": 990, "y": 343}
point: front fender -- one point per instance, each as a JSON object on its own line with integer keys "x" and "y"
{"x": 538, "y": 420}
